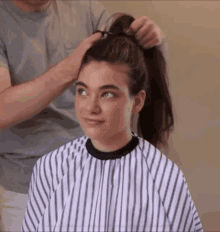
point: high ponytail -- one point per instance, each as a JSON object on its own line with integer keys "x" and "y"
{"x": 147, "y": 71}
{"x": 156, "y": 117}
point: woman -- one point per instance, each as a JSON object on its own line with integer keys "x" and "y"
{"x": 112, "y": 179}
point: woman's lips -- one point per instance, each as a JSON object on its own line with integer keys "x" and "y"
{"x": 93, "y": 122}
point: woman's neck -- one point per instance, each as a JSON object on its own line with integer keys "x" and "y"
{"x": 113, "y": 143}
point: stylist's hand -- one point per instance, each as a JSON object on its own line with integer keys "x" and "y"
{"x": 75, "y": 59}
{"x": 147, "y": 33}
{"x": 85, "y": 45}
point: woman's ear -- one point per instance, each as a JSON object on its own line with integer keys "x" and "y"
{"x": 139, "y": 101}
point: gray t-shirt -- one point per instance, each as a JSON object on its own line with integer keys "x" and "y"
{"x": 30, "y": 43}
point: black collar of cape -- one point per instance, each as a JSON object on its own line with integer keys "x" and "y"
{"x": 114, "y": 154}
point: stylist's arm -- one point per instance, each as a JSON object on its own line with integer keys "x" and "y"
{"x": 20, "y": 102}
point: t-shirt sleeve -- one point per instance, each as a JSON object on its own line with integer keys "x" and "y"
{"x": 3, "y": 55}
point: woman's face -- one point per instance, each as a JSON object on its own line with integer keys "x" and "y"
{"x": 102, "y": 94}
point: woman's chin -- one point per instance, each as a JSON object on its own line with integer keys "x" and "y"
{"x": 93, "y": 133}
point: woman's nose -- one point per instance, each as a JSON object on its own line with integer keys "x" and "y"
{"x": 93, "y": 105}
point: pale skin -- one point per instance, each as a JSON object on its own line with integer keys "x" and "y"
{"x": 20, "y": 102}
{"x": 113, "y": 106}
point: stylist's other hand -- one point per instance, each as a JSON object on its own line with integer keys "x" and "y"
{"x": 147, "y": 33}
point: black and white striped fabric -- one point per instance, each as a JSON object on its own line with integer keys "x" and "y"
{"x": 78, "y": 188}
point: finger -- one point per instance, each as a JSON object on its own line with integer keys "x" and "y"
{"x": 93, "y": 38}
{"x": 153, "y": 36}
{"x": 103, "y": 28}
{"x": 138, "y": 23}
{"x": 150, "y": 44}
{"x": 145, "y": 31}
{"x": 148, "y": 37}
{"x": 89, "y": 41}
{"x": 160, "y": 34}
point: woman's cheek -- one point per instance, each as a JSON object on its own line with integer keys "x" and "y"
{"x": 108, "y": 108}
{"x": 117, "y": 116}
{"x": 79, "y": 106}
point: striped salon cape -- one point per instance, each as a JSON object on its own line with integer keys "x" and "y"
{"x": 136, "y": 188}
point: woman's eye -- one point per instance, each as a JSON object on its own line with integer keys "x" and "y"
{"x": 80, "y": 91}
{"x": 109, "y": 95}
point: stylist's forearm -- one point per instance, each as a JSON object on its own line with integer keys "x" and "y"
{"x": 23, "y": 101}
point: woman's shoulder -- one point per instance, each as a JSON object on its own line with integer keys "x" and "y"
{"x": 158, "y": 164}
{"x": 60, "y": 156}
{"x": 167, "y": 178}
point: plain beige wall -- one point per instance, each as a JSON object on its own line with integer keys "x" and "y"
{"x": 193, "y": 34}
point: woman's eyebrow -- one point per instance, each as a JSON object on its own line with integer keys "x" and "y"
{"x": 110, "y": 86}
